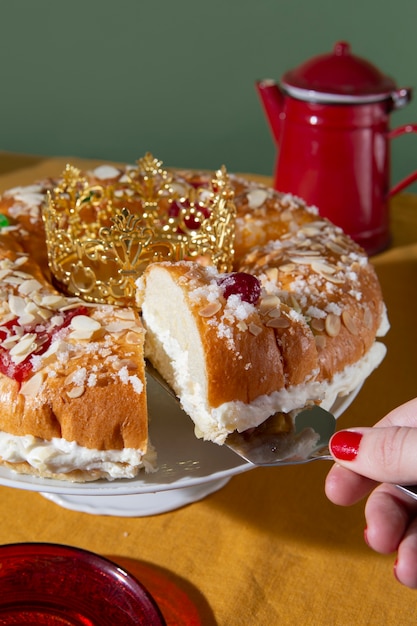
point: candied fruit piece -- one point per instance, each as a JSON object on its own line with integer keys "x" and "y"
{"x": 241, "y": 284}
{"x": 192, "y": 222}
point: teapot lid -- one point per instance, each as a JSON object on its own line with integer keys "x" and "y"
{"x": 338, "y": 77}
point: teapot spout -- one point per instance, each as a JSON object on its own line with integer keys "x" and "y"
{"x": 272, "y": 100}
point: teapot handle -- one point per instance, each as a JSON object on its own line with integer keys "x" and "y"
{"x": 397, "y": 132}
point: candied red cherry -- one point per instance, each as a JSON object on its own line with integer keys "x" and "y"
{"x": 241, "y": 284}
{"x": 191, "y": 222}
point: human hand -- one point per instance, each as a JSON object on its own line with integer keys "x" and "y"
{"x": 373, "y": 460}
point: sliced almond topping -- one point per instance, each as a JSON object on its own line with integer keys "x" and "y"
{"x": 10, "y": 341}
{"x": 83, "y": 327}
{"x": 119, "y": 325}
{"x": 21, "y": 260}
{"x": 350, "y": 323}
{"x": 23, "y": 275}
{"x": 32, "y": 386}
{"x": 287, "y": 268}
{"x": 210, "y": 309}
{"x": 335, "y": 280}
{"x": 13, "y": 280}
{"x": 278, "y": 322}
{"x": 133, "y": 338}
{"x": 321, "y": 267}
{"x": 84, "y": 322}
{"x": 81, "y": 335}
{"x": 312, "y": 229}
{"x": 17, "y": 304}
{"x": 4, "y": 272}
{"x": 306, "y": 253}
{"x": 118, "y": 364}
{"x": 125, "y": 314}
{"x": 254, "y": 329}
{"x": 368, "y": 319}
{"x": 242, "y": 326}
{"x": 317, "y": 323}
{"x": 44, "y": 314}
{"x": 26, "y": 318}
{"x": 56, "y": 320}
{"x": 335, "y": 247}
{"x": 29, "y": 286}
{"x": 75, "y": 392}
{"x": 320, "y": 341}
{"x": 31, "y": 308}
{"x": 25, "y": 346}
{"x": 328, "y": 272}
{"x": 272, "y": 273}
{"x": 53, "y": 301}
{"x": 295, "y": 304}
{"x": 268, "y": 303}
{"x": 70, "y": 378}
{"x": 74, "y": 303}
{"x": 301, "y": 259}
{"x": 332, "y": 325}
{"x": 317, "y": 246}
{"x": 256, "y": 198}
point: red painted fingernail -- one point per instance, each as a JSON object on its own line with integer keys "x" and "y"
{"x": 345, "y": 444}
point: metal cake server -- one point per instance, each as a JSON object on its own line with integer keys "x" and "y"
{"x": 266, "y": 445}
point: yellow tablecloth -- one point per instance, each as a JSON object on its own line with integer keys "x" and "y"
{"x": 268, "y": 548}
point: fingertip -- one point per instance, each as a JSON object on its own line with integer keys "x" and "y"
{"x": 405, "y": 575}
{"x": 344, "y": 488}
{"x": 405, "y": 567}
{"x": 330, "y": 487}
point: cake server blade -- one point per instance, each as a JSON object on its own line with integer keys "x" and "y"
{"x": 267, "y": 445}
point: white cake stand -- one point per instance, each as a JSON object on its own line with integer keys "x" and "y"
{"x": 189, "y": 469}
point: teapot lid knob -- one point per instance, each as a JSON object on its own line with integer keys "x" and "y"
{"x": 341, "y": 48}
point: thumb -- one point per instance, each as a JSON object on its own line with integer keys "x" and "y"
{"x": 385, "y": 454}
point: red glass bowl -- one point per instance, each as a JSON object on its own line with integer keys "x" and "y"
{"x": 50, "y": 584}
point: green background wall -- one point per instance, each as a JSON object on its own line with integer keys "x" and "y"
{"x": 113, "y": 80}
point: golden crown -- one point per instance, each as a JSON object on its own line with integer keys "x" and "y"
{"x": 100, "y": 237}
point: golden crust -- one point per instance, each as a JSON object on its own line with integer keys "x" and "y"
{"x": 326, "y": 278}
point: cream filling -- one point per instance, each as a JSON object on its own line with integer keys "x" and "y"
{"x": 62, "y": 456}
{"x": 219, "y": 422}
{"x": 215, "y": 424}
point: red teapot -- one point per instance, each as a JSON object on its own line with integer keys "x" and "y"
{"x": 330, "y": 121}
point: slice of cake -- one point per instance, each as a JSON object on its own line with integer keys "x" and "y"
{"x": 235, "y": 353}
{"x": 72, "y": 382}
